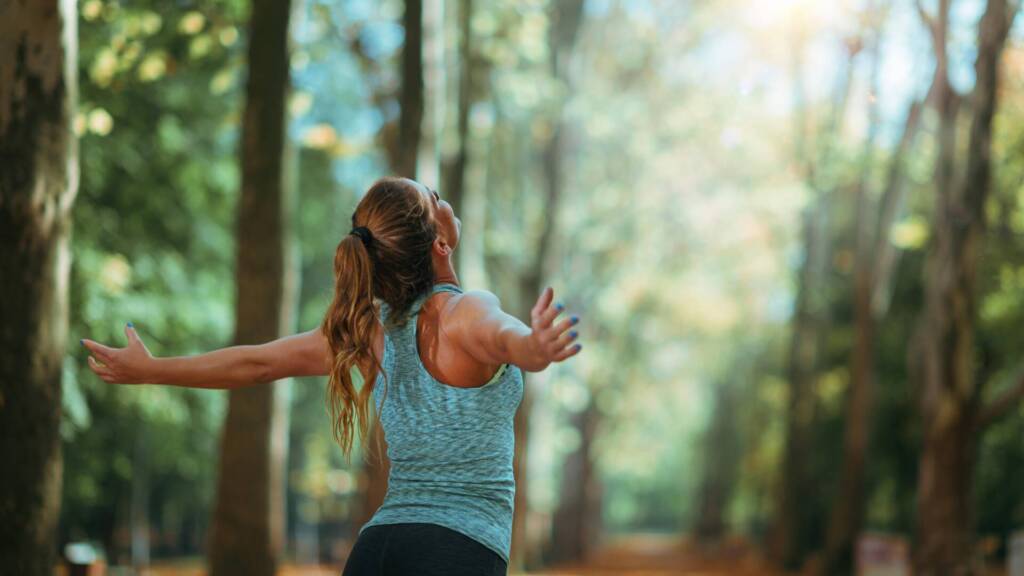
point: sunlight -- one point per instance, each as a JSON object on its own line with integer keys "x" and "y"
{"x": 771, "y": 14}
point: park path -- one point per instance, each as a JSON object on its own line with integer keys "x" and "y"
{"x": 636, "y": 555}
{"x": 651, "y": 555}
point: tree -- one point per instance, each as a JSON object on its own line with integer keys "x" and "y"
{"x": 404, "y": 145}
{"x": 248, "y": 517}
{"x": 874, "y": 259}
{"x": 951, "y": 382}
{"x": 810, "y": 318}
{"x": 453, "y": 167}
{"x": 564, "y": 24}
{"x": 401, "y": 144}
{"x": 38, "y": 185}
{"x": 577, "y": 520}
{"x": 721, "y": 464}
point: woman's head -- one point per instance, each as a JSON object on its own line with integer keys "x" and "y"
{"x": 410, "y": 228}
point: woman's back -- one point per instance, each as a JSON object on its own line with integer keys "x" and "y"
{"x": 450, "y": 447}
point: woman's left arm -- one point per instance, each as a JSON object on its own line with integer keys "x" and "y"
{"x": 305, "y": 354}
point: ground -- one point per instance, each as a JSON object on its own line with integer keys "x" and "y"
{"x": 642, "y": 555}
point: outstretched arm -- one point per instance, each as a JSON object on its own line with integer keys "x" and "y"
{"x": 305, "y": 354}
{"x": 492, "y": 336}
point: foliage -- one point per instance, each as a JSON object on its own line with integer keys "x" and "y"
{"x": 677, "y": 242}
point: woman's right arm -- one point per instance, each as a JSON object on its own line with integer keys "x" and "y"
{"x": 492, "y": 336}
{"x": 305, "y": 354}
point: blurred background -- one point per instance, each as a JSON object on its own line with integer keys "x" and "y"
{"x": 794, "y": 231}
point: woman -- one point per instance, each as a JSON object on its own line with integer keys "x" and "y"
{"x": 442, "y": 367}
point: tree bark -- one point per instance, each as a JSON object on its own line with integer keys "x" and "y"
{"x": 566, "y": 17}
{"x": 875, "y": 258}
{"x": 721, "y": 449}
{"x": 784, "y": 546}
{"x": 402, "y": 153}
{"x": 809, "y": 325}
{"x": 453, "y": 169}
{"x": 577, "y": 520}
{"x": 38, "y": 185}
{"x": 248, "y": 520}
{"x": 410, "y": 99}
{"x": 950, "y": 395}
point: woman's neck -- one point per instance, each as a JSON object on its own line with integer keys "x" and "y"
{"x": 444, "y": 272}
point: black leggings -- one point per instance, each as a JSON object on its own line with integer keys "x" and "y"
{"x": 418, "y": 549}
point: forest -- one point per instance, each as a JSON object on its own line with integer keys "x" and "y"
{"x": 793, "y": 230}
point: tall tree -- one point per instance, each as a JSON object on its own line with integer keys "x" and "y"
{"x": 577, "y": 521}
{"x": 403, "y": 149}
{"x": 248, "y": 519}
{"x": 721, "y": 464}
{"x": 38, "y": 185}
{"x": 565, "y": 19}
{"x": 401, "y": 143}
{"x": 810, "y": 318}
{"x": 951, "y": 386}
{"x": 453, "y": 167}
{"x": 874, "y": 259}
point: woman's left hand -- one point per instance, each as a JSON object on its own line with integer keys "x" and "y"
{"x": 129, "y": 365}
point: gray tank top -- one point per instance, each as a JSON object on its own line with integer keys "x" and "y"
{"x": 450, "y": 448}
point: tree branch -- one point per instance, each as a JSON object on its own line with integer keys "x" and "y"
{"x": 1002, "y": 404}
{"x": 1013, "y": 8}
{"x": 929, "y": 22}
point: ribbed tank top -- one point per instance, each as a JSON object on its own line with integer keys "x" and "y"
{"x": 450, "y": 448}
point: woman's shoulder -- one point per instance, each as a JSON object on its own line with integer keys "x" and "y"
{"x": 472, "y": 303}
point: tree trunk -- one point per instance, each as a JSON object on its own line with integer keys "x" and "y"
{"x": 373, "y": 479}
{"x": 139, "y": 521}
{"x": 721, "y": 449}
{"x": 402, "y": 153}
{"x": 872, "y": 267}
{"x": 248, "y": 521}
{"x": 453, "y": 168}
{"x": 950, "y": 399}
{"x": 577, "y": 520}
{"x": 566, "y": 17}
{"x": 944, "y": 516}
{"x": 785, "y": 546}
{"x": 38, "y": 184}
{"x": 410, "y": 99}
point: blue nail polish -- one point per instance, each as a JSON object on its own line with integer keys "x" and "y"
{"x": 574, "y": 319}
{"x": 559, "y": 306}
{"x": 82, "y": 341}
{"x": 573, "y": 334}
{"x": 579, "y": 346}
{"x": 130, "y": 325}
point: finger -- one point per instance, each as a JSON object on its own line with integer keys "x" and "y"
{"x": 129, "y": 332}
{"x": 567, "y": 353}
{"x": 566, "y": 323}
{"x": 97, "y": 365}
{"x": 543, "y": 301}
{"x": 99, "y": 369}
{"x": 549, "y": 315}
{"x": 104, "y": 353}
{"x": 565, "y": 339}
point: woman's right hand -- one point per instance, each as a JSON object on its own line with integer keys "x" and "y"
{"x": 492, "y": 336}
{"x": 552, "y": 341}
{"x": 129, "y": 365}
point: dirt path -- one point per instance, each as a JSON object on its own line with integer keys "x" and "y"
{"x": 640, "y": 555}
{"x": 648, "y": 555}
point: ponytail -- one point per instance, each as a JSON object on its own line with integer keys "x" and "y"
{"x": 349, "y": 327}
{"x": 385, "y": 258}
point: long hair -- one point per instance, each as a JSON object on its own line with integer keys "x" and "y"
{"x": 393, "y": 267}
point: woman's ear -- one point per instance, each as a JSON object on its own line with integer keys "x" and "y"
{"x": 441, "y": 246}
